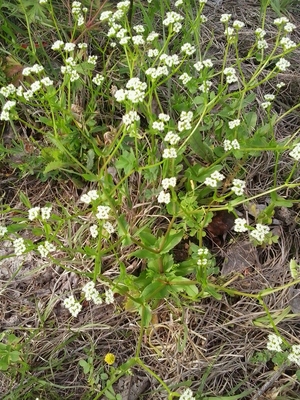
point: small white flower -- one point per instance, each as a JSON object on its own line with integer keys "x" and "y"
{"x": 139, "y": 29}
{"x": 262, "y": 44}
{"x": 294, "y": 356}
{"x": 129, "y": 118}
{"x": 82, "y": 45}
{"x": 280, "y": 85}
{"x": 289, "y": 27}
{"x": 9, "y": 105}
{"x": 185, "y": 78}
{"x": 238, "y": 187}
{"x": 295, "y": 153}
{"x": 93, "y": 194}
{"x": 207, "y": 63}
{"x": 152, "y": 53}
{"x": 138, "y": 40}
{"x": 46, "y": 81}
{"x": 287, "y": 43}
{"x": 202, "y": 19}
{"x": 36, "y": 68}
{"x": 164, "y": 117}
{"x": 3, "y": 230}
{"x": 282, "y": 64}
{"x": 234, "y": 123}
{"x": 108, "y": 227}
{"x": 187, "y": 395}
{"x": 103, "y": 212}
{"x": 259, "y": 233}
{"x": 188, "y": 49}
{"x": 225, "y": 17}
{"x": 164, "y": 197}
{"x": 49, "y": 246}
{"x": 152, "y": 36}
{"x": 171, "y": 18}
{"x": 109, "y": 296}
{"x": 69, "y": 46}
{"x": 98, "y": 79}
{"x": 266, "y": 104}
{"x": 92, "y": 60}
{"x": 214, "y": 178}
{"x": 169, "y": 153}
{"x": 274, "y": 343}
{"x": 85, "y": 199}
{"x": 269, "y": 97}
{"x": 33, "y": 213}
{"x": 46, "y": 212}
{"x": 172, "y": 138}
{"x": 19, "y": 246}
{"x": 168, "y": 182}
{"x": 8, "y": 90}
{"x": 280, "y": 21}
{"x": 58, "y": 45}
{"x": 235, "y": 144}
{"x": 260, "y": 33}
{"x": 206, "y": 85}
{"x": 229, "y": 32}
{"x": 105, "y": 15}
{"x": 158, "y": 125}
{"x": 240, "y": 225}
{"x": 89, "y": 290}
{"x": 238, "y": 24}
{"x": 94, "y": 231}
{"x": 43, "y": 1}
{"x": 230, "y": 74}
{"x": 202, "y": 1}
{"x": 73, "y": 306}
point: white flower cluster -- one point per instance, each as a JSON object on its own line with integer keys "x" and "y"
{"x": 3, "y": 230}
{"x": 206, "y": 85}
{"x": 201, "y": 64}
{"x": 282, "y": 64}
{"x": 294, "y": 356}
{"x": 170, "y": 61}
{"x": 92, "y": 60}
{"x": 295, "y": 153}
{"x": 34, "y": 212}
{"x": 203, "y": 257}
{"x": 172, "y": 138}
{"x": 213, "y": 179}
{"x": 91, "y": 293}
{"x": 36, "y": 68}
{"x": 103, "y": 212}
{"x": 173, "y": 20}
{"x": 134, "y": 92}
{"x": 185, "y": 78}
{"x": 231, "y": 144}
{"x": 274, "y": 343}
{"x": 152, "y": 36}
{"x": 287, "y": 43}
{"x": 108, "y": 227}
{"x": 185, "y": 121}
{"x": 238, "y": 24}
{"x": 238, "y": 187}
{"x": 77, "y": 11}
{"x": 187, "y": 395}
{"x": 94, "y": 230}
{"x": 19, "y": 246}
{"x": 188, "y": 49}
{"x": 233, "y": 124}
{"x": 5, "y": 113}
{"x": 157, "y": 72}
{"x": 8, "y": 90}
{"x": 72, "y": 305}
{"x": 46, "y": 248}
{"x": 88, "y": 197}
{"x": 240, "y": 225}
{"x": 164, "y": 197}
{"x": 152, "y": 53}
{"x": 259, "y": 233}
{"x": 98, "y": 79}
{"x": 268, "y": 98}
{"x": 230, "y": 74}
{"x": 225, "y": 18}
{"x": 168, "y": 182}
{"x": 160, "y": 124}
{"x": 130, "y": 118}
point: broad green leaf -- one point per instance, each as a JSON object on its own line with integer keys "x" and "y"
{"x": 171, "y": 241}
{"x": 156, "y": 290}
{"x": 86, "y": 366}
{"x": 54, "y": 165}
{"x": 143, "y": 253}
{"x": 146, "y": 314}
{"x": 294, "y": 268}
{"x": 213, "y": 292}
{"x": 147, "y": 237}
{"x": 24, "y": 199}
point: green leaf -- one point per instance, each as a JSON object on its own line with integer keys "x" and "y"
{"x": 90, "y": 159}
{"x": 213, "y": 292}
{"x": 171, "y": 241}
{"x": 156, "y": 290}
{"x": 147, "y": 238}
{"x": 14, "y": 356}
{"x": 85, "y": 365}
{"x": 143, "y": 253}
{"x": 24, "y": 199}
{"x": 294, "y": 268}
{"x": 146, "y": 314}
{"x": 54, "y": 165}
{"x": 126, "y": 161}
{"x": 90, "y": 177}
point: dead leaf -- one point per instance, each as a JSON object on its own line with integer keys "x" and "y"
{"x": 240, "y": 256}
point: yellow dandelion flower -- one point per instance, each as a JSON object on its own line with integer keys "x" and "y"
{"x": 109, "y": 358}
